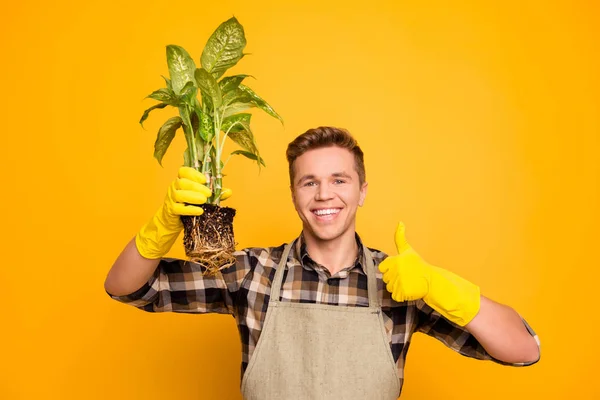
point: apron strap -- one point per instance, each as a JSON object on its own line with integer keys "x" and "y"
{"x": 276, "y": 285}
{"x": 371, "y": 278}
{"x": 367, "y": 262}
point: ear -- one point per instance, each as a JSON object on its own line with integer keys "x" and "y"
{"x": 363, "y": 194}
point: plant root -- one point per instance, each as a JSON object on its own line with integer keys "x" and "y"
{"x": 208, "y": 238}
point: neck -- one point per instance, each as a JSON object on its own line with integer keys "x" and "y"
{"x": 335, "y": 254}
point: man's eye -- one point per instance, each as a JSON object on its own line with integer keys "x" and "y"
{"x": 338, "y": 181}
{"x": 310, "y": 184}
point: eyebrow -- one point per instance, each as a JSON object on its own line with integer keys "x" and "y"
{"x": 335, "y": 175}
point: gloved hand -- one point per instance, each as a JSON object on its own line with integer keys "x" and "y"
{"x": 156, "y": 238}
{"x": 409, "y": 277}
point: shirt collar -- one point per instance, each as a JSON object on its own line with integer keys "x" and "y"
{"x": 301, "y": 254}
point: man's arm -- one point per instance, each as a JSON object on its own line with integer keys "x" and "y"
{"x": 129, "y": 272}
{"x": 143, "y": 278}
{"x": 498, "y": 329}
{"x": 460, "y": 339}
{"x": 177, "y": 285}
{"x": 502, "y": 333}
{"x": 138, "y": 261}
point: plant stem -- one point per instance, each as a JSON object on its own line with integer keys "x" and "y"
{"x": 226, "y": 161}
{"x": 189, "y": 137}
{"x": 217, "y": 177}
{"x": 227, "y": 133}
{"x": 205, "y": 162}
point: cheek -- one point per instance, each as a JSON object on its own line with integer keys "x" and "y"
{"x": 350, "y": 197}
{"x": 300, "y": 199}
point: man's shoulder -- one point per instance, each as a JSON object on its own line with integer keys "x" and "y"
{"x": 257, "y": 251}
{"x": 253, "y": 257}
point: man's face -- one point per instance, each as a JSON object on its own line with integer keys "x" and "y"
{"x": 326, "y": 192}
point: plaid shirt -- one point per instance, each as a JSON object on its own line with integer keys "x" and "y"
{"x": 243, "y": 290}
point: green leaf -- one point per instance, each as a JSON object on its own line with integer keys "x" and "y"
{"x": 166, "y": 133}
{"x": 237, "y": 123}
{"x": 259, "y": 102}
{"x": 236, "y": 96}
{"x": 185, "y": 118}
{"x": 245, "y": 139}
{"x": 188, "y": 92}
{"x": 168, "y": 82}
{"x": 200, "y": 149}
{"x": 202, "y": 123}
{"x": 181, "y": 67}
{"x": 186, "y": 156}
{"x": 243, "y": 98}
{"x": 147, "y": 112}
{"x": 209, "y": 86}
{"x": 231, "y": 83}
{"x": 195, "y": 119}
{"x": 224, "y": 48}
{"x": 251, "y": 156}
{"x": 207, "y": 127}
{"x": 235, "y": 108}
{"x": 166, "y": 96}
{"x": 207, "y": 104}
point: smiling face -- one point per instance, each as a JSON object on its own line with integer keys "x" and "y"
{"x": 327, "y": 193}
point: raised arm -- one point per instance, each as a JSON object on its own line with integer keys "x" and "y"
{"x": 138, "y": 261}
{"x": 130, "y": 271}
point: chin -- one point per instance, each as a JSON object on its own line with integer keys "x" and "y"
{"x": 326, "y": 234}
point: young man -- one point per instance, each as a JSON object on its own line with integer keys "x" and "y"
{"x": 324, "y": 316}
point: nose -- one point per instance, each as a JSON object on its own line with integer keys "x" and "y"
{"x": 324, "y": 193}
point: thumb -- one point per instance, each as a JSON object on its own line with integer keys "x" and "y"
{"x": 400, "y": 238}
{"x": 226, "y": 193}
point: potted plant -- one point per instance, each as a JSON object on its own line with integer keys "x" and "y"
{"x": 211, "y": 109}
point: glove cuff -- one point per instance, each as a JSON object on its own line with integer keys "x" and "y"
{"x": 156, "y": 238}
{"x": 452, "y": 296}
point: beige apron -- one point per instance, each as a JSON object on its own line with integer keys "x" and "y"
{"x": 318, "y": 351}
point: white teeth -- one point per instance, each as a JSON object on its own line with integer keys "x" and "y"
{"x": 328, "y": 211}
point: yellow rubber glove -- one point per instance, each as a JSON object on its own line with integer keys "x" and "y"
{"x": 156, "y": 238}
{"x": 409, "y": 277}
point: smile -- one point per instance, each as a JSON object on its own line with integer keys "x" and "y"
{"x": 326, "y": 213}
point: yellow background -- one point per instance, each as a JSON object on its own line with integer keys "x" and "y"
{"x": 480, "y": 123}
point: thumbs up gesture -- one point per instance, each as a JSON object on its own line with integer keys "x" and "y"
{"x": 408, "y": 277}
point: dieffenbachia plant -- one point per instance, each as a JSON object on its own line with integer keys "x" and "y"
{"x": 219, "y": 115}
